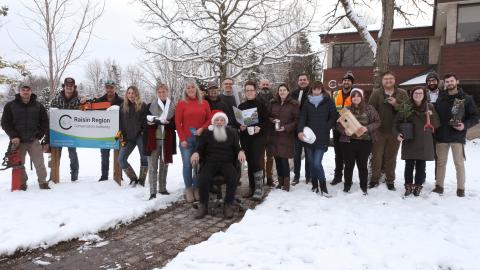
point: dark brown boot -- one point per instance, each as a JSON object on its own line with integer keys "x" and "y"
{"x": 44, "y": 186}
{"x": 270, "y": 182}
{"x": 438, "y": 189}
{"x": 417, "y": 190}
{"x": 201, "y": 211}
{"x": 143, "y": 175}
{"x": 408, "y": 190}
{"x": 460, "y": 192}
{"x": 228, "y": 211}
{"x": 131, "y": 175}
{"x": 286, "y": 184}
{"x": 280, "y": 182}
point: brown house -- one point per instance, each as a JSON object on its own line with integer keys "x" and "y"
{"x": 451, "y": 44}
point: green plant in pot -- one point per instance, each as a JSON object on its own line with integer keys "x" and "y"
{"x": 405, "y": 127}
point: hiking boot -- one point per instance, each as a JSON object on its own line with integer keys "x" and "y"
{"x": 152, "y": 196}
{"x": 460, "y": 192}
{"x": 416, "y": 190}
{"x": 201, "y": 211}
{"x": 103, "y": 178}
{"x": 295, "y": 181}
{"x": 44, "y": 186}
{"x": 164, "y": 192}
{"x": 391, "y": 187}
{"x": 373, "y": 185}
{"x": 438, "y": 189}
{"x": 228, "y": 211}
{"x": 142, "y": 175}
{"x": 408, "y": 190}
{"x": 189, "y": 197}
{"x": 346, "y": 187}
{"x": 286, "y": 184}
{"x": 335, "y": 181}
{"x": 280, "y": 182}
{"x": 270, "y": 182}
{"x": 258, "y": 193}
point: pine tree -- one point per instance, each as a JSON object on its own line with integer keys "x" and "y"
{"x": 298, "y": 64}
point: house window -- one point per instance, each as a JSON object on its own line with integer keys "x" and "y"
{"x": 394, "y": 53}
{"x": 362, "y": 55}
{"x": 343, "y": 55}
{"x": 468, "y": 24}
{"x": 415, "y": 52}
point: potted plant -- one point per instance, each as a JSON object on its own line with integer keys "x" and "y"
{"x": 405, "y": 127}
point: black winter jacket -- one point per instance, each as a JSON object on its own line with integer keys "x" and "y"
{"x": 320, "y": 119}
{"x": 219, "y": 105}
{"x": 25, "y": 121}
{"x": 118, "y": 100}
{"x": 132, "y": 123}
{"x": 305, "y": 94}
{"x": 446, "y": 133}
{"x": 218, "y": 152}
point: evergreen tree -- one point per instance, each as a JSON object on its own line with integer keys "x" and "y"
{"x": 302, "y": 64}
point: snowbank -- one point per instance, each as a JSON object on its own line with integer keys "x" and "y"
{"x": 301, "y": 230}
{"x": 39, "y": 218}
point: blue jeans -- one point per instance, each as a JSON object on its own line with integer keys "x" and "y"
{"x": 126, "y": 150}
{"x": 315, "y": 156}
{"x": 187, "y": 166}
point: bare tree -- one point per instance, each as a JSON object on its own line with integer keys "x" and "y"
{"x": 380, "y": 44}
{"x": 65, "y": 30}
{"x": 94, "y": 74}
{"x": 218, "y": 37}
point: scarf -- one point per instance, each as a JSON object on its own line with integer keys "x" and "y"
{"x": 315, "y": 100}
{"x": 165, "y": 108}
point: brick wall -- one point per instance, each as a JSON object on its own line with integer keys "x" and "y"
{"x": 463, "y": 59}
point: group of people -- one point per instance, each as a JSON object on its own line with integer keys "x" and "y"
{"x": 282, "y": 125}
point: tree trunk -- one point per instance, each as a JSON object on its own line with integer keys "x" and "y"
{"x": 51, "y": 80}
{"x": 383, "y": 43}
{"x": 223, "y": 43}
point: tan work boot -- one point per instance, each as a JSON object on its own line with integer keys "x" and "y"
{"x": 44, "y": 186}
{"x": 131, "y": 175}
{"x": 196, "y": 194}
{"x": 189, "y": 195}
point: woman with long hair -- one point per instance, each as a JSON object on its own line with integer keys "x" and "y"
{"x": 284, "y": 116}
{"x": 253, "y": 139}
{"x": 132, "y": 126}
{"x": 160, "y": 140}
{"x": 319, "y": 115}
{"x": 357, "y": 148}
{"x": 192, "y": 116}
{"x": 418, "y": 150}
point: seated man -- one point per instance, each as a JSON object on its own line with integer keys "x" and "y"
{"x": 218, "y": 148}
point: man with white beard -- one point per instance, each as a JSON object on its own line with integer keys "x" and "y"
{"x": 218, "y": 148}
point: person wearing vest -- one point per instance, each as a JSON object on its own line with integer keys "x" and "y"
{"x": 342, "y": 99}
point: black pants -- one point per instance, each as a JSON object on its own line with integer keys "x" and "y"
{"x": 254, "y": 150}
{"x": 339, "y": 159}
{"x": 356, "y": 152}
{"x": 297, "y": 160}
{"x": 105, "y": 162}
{"x": 420, "y": 174}
{"x": 209, "y": 170}
{"x": 283, "y": 168}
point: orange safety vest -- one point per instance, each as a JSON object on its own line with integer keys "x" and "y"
{"x": 341, "y": 103}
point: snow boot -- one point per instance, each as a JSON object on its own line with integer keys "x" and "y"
{"x": 196, "y": 194}
{"x": 189, "y": 197}
{"x": 438, "y": 189}
{"x": 296, "y": 180}
{"x": 44, "y": 186}
{"x": 258, "y": 193}
{"x": 391, "y": 187}
{"x": 323, "y": 189}
{"x": 152, "y": 196}
{"x": 416, "y": 190}
{"x": 460, "y": 192}
{"x": 280, "y": 182}
{"x": 346, "y": 187}
{"x": 228, "y": 211}
{"x": 408, "y": 190}
{"x": 373, "y": 185}
{"x": 336, "y": 180}
{"x": 143, "y": 175}
{"x": 270, "y": 182}
{"x": 131, "y": 175}
{"x": 315, "y": 185}
{"x": 202, "y": 210}
{"x": 286, "y": 184}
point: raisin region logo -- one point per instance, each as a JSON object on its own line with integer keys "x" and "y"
{"x": 65, "y": 122}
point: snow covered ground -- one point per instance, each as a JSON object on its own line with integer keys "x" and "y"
{"x": 301, "y": 230}
{"x": 41, "y": 218}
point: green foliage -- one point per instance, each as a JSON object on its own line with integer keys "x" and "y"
{"x": 405, "y": 108}
{"x": 302, "y": 64}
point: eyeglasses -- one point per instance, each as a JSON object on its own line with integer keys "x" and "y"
{"x": 418, "y": 94}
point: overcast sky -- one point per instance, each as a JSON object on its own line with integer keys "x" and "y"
{"x": 114, "y": 34}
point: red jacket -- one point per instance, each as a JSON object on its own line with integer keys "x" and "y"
{"x": 191, "y": 114}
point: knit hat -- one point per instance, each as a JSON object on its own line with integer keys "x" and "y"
{"x": 68, "y": 81}
{"x": 212, "y": 84}
{"x": 357, "y": 90}
{"x": 349, "y": 76}
{"x": 219, "y": 114}
{"x": 432, "y": 75}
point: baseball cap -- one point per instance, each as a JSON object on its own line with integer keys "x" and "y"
{"x": 109, "y": 83}
{"x": 69, "y": 81}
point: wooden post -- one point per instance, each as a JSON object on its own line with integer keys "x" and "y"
{"x": 55, "y": 155}
{"x": 117, "y": 172}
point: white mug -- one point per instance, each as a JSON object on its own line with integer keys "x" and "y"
{"x": 251, "y": 130}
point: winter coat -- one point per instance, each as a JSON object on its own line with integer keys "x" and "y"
{"x": 280, "y": 143}
{"x": 443, "y": 106}
{"x": 190, "y": 114}
{"x": 133, "y": 123}
{"x": 28, "y": 122}
{"x": 218, "y": 152}
{"x": 372, "y": 126}
{"x": 61, "y": 102}
{"x": 320, "y": 119}
{"x": 262, "y": 121}
{"x": 265, "y": 97}
{"x": 296, "y": 94}
{"x": 170, "y": 138}
{"x": 219, "y": 105}
{"x": 386, "y": 111}
{"x": 421, "y": 146}
{"x": 117, "y": 101}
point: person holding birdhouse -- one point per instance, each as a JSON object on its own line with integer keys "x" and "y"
{"x": 418, "y": 149}
{"x": 356, "y": 145}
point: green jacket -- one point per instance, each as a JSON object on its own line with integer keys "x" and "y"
{"x": 386, "y": 111}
